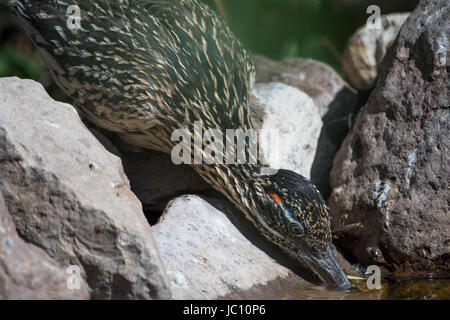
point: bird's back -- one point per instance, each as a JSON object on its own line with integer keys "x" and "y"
{"x": 134, "y": 64}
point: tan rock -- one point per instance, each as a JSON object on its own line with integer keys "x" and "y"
{"x": 69, "y": 196}
{"x": 317, "y": 79}
{"x": 366, "y": 49}
{"x": 207, "y": 256}
{"x": 27, "y": 272}
{"x": 294, "y": 116}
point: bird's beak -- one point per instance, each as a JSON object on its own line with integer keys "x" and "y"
{"x": 328, "y": 269}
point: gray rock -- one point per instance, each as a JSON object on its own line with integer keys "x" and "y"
{"x": 70, "y": 197}
{"x": 211, "y": 251}
{"x": 334, "y": 97}
{"x": 27, "y": 272}
{"x": 366, "y": 49}
{"x": 294, "y": 116}
{"x": 317, "y": 79}
{"x": 392, "y": 173}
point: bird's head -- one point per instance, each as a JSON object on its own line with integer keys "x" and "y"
{"x": 291, "y": 212}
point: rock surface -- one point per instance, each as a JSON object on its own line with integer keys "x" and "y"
{"x": 27, "y": 272}
{"x": 335, "y": 98}
{"x": 216, "y": 253}
{"x": 366, "y": 49}
{"x": 294, "y": 116}
{"x": 317, "y": 79}
{"x": 392, "y": 173}
{"x": 69, "y": 196}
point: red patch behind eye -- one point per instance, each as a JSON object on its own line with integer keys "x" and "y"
{"x": 275, "y": 196}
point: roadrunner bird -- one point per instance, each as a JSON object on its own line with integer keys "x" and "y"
{"x": 144, "y": 68}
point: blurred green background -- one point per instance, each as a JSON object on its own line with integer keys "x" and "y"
{"x": 317, "y": 29}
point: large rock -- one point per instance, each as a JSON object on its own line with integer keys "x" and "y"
{"x": 366, "y": 49}
{"x": 27, "y": 272}
{"x": 335, "y": 99}
{"x": 317, "y": 79}
{"x": 211, "y": 251}
{"x": 70, "y": 197}
{"x": 294, "y": 116}
{"x": 392, "y": 173}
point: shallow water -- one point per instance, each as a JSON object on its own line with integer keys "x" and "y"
{"x": 295, "y": 289}
{"x": 417, "y": 290}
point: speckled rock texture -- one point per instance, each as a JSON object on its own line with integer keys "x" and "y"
{"x": 216, "y": 253}
{"x": 70, "y": 197}
{"x": 366, "y": 49}
{"x": 392, "y": 173}
{"x": 206, "y": 257}
{"x": 27, "y": 272}
{"x": 297, "y": 123}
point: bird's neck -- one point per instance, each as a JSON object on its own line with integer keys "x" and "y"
{"x": 236, "y": 182}
{"x": 231, "y": 180}
{"x": 236, "y": 179}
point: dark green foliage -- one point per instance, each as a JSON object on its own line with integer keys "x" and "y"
{"x": 316, "y": 29}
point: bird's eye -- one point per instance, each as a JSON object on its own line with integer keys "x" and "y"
{"x": 294, "y": 226}
{"x": 296, "y": 229}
